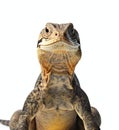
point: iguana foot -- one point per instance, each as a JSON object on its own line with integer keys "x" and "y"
{"x": 18, "y": 121}
{"x": 89, "y": 115}
{"x": 96, "y": 116}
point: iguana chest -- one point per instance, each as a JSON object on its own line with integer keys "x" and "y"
{"x": 57, "y": 113}
{"x": 55, "y": 120}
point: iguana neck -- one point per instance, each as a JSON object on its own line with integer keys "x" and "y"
{"x": 51, "y": 79}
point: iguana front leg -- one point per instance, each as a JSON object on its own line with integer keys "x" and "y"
{"x": 24, "y": 119}
{"x": 83, "y": 109}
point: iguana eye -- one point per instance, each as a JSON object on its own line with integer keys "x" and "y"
{"x": 46, "y": 30}
{"x": 72, "y": 35}
{"x": 72, "y": 32}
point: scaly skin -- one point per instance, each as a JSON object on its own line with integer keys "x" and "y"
{"x": 57, "y": 102}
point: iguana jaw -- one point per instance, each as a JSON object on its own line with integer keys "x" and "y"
{"x": 59, "y": 45}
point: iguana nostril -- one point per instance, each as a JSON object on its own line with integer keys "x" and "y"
{"x": 55, "y": 34}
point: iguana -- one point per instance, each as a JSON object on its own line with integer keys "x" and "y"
{"x": 57, "y": 102}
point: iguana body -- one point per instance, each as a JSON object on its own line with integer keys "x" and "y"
{"x": 57, "y": 102}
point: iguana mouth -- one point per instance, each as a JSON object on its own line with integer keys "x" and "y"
{"x": 58, "y": 45}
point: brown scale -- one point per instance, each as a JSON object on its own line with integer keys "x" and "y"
{"x": 57, "y": 102}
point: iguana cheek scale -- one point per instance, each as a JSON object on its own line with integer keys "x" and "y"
{"x": 57, "y": 102}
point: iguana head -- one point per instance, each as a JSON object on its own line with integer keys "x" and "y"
{"x": 58, "y": 48}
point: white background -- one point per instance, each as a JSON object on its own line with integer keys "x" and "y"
{"x": 98, "y": 71}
